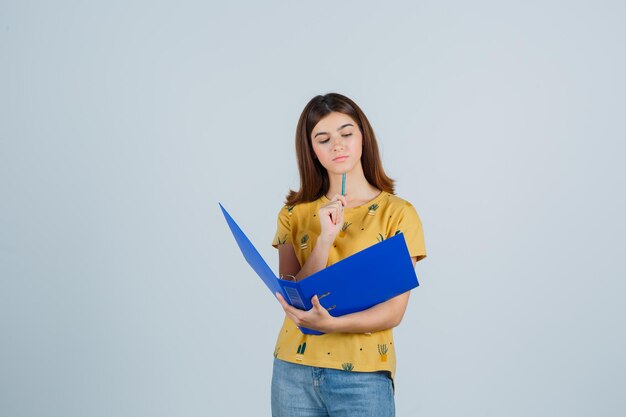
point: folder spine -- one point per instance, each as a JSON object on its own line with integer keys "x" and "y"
{"x": 294, "y": 296}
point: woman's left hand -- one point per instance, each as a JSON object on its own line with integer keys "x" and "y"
{"x": 317, "y": 318}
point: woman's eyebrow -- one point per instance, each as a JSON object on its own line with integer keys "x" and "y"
{"x": 326, "y": 133}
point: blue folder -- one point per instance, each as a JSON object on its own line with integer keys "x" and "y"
{"x": 353, "y": 284}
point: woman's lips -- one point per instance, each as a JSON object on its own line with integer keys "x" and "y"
{"x": 340, "y": 158}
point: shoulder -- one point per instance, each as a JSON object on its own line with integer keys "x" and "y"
{"x": 401, "y": 209}
{"x": 285, "y": 210}
{"x": 397, "y": 203}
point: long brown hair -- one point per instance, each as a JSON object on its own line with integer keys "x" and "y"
{"x": 313, "y": 176}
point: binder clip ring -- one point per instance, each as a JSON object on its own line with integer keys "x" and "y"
{"x": 293, "y": 278}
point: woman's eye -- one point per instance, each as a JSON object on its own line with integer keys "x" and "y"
{"x": 345, "y": 136}
{"x": 324, "y": 141}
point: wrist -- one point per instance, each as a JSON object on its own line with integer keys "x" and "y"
{"x": 334, "y": 325}
{"x": 325, "y": 243}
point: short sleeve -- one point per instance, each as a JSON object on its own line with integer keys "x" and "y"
{"x": 411, "y": 225}
{"x": 283, "y": 227}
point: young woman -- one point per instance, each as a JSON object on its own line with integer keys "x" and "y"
{"x": 349, "y": 370}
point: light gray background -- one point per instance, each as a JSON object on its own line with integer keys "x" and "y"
{"x": 122, "y": 124}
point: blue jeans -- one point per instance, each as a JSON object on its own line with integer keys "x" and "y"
{"x": 308, "y": 391}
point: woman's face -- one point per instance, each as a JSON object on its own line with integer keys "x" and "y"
{"x": 337, "y": 142}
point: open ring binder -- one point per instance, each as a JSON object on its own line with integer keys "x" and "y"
{"x": 353, "y": 284}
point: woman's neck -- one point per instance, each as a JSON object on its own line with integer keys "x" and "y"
{"x": 358, "y": 190}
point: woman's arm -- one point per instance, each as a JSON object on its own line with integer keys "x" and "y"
{"x": 331, "y": 220}
{"x": 288, "y": 264}
{"x": 382, "y": 316}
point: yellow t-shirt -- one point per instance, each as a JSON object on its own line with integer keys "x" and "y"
{"x": 364, "y": 226}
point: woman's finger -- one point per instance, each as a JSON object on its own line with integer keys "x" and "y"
{"x": 334, "y": 215}
{"x": 339, "y": 214}
{"x": 283, "y": 303}
{"x": 280, "y": 297}
{"x": 316, "y": 302}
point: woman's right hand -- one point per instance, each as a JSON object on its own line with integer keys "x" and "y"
{"x": 331, "y": 219}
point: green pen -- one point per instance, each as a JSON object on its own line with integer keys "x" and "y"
{"x": 343, "y": 184}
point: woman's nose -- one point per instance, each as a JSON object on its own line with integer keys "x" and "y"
{"x": 338, "y": 143}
